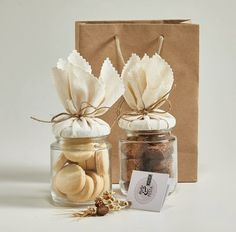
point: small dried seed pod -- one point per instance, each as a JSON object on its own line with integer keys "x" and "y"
{"x": 99, "y": 202}
{"x": 102, "y": 210}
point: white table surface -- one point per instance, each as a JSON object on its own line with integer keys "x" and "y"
{"x": 208, "y": 205}
{"x": 34, "y": 34}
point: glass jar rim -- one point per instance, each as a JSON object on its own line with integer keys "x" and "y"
{"x": 81, "y": 139}
{"x": 161, "y": 136}
{"x": 151, "y": 132}
{"x": 80, "y": 143}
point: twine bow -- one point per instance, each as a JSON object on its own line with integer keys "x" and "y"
{"x": 81, "y": 113}
{"x": 153, "y": 108}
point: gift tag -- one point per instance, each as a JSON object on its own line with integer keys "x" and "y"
{"x": 148, "y": 190}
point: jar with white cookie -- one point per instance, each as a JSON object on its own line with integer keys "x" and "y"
{"x": 80, "y": 169}
{"x": 80, "y": 157}
{"x": 149, "y": 144}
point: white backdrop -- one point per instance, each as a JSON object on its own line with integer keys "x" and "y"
{"x": 34, "y": 34}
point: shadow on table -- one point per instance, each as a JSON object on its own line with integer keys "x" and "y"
{"x": 25, "y": 201}
{"x": 24, "y": 174}
{"x": 28, "y": 187}
{"x": 24, "y": 187}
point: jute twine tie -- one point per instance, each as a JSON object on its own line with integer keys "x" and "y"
{"x": 81, "y": 113}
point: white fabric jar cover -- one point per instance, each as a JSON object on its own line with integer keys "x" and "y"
{"x": 147, "y": 81}
{"x": 82, "y": 93}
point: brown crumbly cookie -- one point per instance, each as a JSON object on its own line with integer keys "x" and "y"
{"x": 166, "y": 170}
{"x": 157, "y": 158}
{"x": 152, "y": 152}
{"x": 155, "y": 165}
{"x": 166, "y": 149}
{"x": 132, "y": 150}
{"x": 132, "y": 164}
{"x": 170, "y": 168}
{"x": 148, "y": 157}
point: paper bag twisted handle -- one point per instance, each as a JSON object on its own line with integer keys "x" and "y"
{"x": 117, "y": 40}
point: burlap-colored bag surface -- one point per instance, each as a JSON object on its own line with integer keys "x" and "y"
{"x": 95, "y": 41}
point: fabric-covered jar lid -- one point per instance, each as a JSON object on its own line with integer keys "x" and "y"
{"x": 84, "y": 97}
{"x": 150, "y": 121}
{"x": 148, "y": 82}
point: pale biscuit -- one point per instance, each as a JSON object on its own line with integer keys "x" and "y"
{"x": 102, "y": 162}
{"x": 86, "y": 192}
{"x": 83, "y": 165}
{"x": 90, "y": 163}
{"x": 55, "y": 190}
{"x": 98, "y": 185}
{"x": 61, "y": 161}
{"x": 107, "y": 183}
{"x": 70, "y": 179}
{"x": 78, "y": 156}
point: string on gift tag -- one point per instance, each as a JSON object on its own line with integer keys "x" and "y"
{"x": 81, "y": 113}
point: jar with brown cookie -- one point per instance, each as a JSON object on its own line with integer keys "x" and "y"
{"x": 80, "y": 169}
{"x": 151, "y": 151}
{"x": 149, "y": 144}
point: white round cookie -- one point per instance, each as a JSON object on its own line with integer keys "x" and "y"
{"x": 98, "y": 184}
{"x": 60, "y": 162}
{"x": 85, "y": 193}
{"x": 102, "y": 162}
{"x": 70, "y": 179}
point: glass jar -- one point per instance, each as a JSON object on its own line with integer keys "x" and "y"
{"x": 80, "y": 170}
{"x": 151, "y": 151}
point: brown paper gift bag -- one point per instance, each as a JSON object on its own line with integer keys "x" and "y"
{"x": 95, "y": 40}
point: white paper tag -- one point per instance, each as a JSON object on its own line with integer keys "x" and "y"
{"x": 148, "y": 190}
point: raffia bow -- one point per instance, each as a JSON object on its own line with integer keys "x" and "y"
{"x": 81, "y": 113}
{"x": 153, "y": 108}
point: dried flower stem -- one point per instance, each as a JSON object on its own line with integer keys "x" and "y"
{"x": 103, "y": 205}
